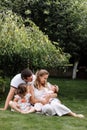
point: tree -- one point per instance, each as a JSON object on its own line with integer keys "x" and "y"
{"x": 65, "y": 21}
{"x": 25, "y": 46}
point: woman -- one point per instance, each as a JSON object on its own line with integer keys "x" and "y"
{"x": 54, "y": 106}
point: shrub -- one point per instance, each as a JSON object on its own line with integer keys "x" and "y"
{"x": 2, "y": 85}
{"x": 25, "y": 46}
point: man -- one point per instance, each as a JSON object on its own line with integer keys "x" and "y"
{"x": 26, "y": 76}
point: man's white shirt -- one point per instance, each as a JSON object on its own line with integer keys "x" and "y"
{"x": 16, "y": 80}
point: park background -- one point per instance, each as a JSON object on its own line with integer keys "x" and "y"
{"x": 49, "y": 34}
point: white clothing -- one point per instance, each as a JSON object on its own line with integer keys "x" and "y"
{"x": 16, "y": 80}
{"x": 39, "y": 94}
{"x": 24, "y": 102}
{"x": 53, "y": 107}
{"x": 59, "y": 108}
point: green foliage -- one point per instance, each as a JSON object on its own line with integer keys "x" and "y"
{"x": 2, "y": 85}
{"x": 63, "y": 21}
{"x": 42, "y": 50}
{"x": 12, "y": 36}
{"x": 22, "y": 46}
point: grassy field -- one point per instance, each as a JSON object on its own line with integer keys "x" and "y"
{"x": 72, "y": 93}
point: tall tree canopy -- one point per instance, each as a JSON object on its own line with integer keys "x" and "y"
{"x": 26, "y": 46}
{"x": 64, "y": 21}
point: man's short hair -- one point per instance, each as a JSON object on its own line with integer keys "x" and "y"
{"x": 26, "y": 73}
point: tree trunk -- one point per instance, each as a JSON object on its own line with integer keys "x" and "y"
{"x": 75, "y": 69}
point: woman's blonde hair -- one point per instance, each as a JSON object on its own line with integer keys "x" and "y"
{"x": 39, "y": 74}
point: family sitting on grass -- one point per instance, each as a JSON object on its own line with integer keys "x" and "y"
{"x": 32, "y": 93}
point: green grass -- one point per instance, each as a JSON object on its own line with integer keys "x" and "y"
{"x": 73, "y": 93}
{"x": 71, "y": 88}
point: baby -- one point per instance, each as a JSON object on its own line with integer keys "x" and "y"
{"x": 50, "y": 89}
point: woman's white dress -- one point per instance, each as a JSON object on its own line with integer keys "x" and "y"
{"x": 54, "y": 107}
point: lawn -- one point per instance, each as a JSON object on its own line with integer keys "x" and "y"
{"x": 73, "y": 93}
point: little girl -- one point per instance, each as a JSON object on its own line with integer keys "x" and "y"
{"x": 21, "y": 101}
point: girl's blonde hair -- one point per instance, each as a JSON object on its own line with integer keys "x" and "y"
{"x": 39, "y": 74}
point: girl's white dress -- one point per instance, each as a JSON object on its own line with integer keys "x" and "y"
{"x": 24, "y": 102}
{"x": 54, "y": 107}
